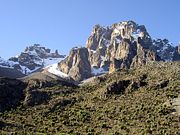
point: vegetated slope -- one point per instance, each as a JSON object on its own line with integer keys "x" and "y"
{"x": 134, "y": 101}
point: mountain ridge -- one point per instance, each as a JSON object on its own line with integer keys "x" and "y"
{"x": 122, "y": 82}
{"x": 122, "y": 45}
{"x": 34, "y": 58}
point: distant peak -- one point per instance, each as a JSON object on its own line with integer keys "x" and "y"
{"x": 36, "y": 47}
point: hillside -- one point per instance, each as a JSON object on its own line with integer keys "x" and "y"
{"x": 128, "y": 101}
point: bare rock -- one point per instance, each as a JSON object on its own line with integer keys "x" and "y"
{"x": 77, "y": 64}
{"x": 35, "y": 97}
{"x": 176, "y": 56}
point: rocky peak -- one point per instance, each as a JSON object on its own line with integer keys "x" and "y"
{"x": 124, "y": 29}
{"x": 76, "y": 65}
{"x": 164, "y": 49}
{"x": 98, "y": 37}
{"x": 121, "y": 42}
{"x": 41, "y": 52}
{"x": 34, "y": 58}
{"x": 122, "y": 45}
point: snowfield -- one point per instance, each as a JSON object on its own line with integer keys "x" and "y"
{"x": 53, "y": 69}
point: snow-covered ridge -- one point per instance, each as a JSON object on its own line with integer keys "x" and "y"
{"x": 6, "y": 63}
{"x": 164, "y": 49}
{"x": 33, "y": 58}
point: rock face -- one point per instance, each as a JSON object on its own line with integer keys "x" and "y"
{"x": 122, "y": 45}
{"x": 176, "y": 56}
{"x": 76, "y": 64}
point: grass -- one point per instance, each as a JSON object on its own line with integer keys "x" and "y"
{"x": 141, "y": 111}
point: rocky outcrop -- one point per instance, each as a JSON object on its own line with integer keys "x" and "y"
{"x": 122, "y": 45}
{"x": 143, "y": 57}
{"x": 76, "y": 65}
{"x": 176, "y": 56}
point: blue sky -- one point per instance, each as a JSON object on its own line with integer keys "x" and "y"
{"x": 62, "y": 24}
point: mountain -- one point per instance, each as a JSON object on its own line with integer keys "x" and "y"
{"x": 32, "y": 59}
{"x": 122, "y": 82}
{"x": 122, "y": 45}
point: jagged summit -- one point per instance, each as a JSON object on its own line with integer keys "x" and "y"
{"x": 115, "y": 42}
{"x": 122, "y": 45}
{"x": 42, "y": 52}
{"x": 101, "y": 36}
{"x": 33, "y": 58}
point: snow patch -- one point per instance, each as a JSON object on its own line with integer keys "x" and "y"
{"x": 74, "y": 60}
{"x": 118, "y": 41}
{"x": 26, "y": 70}
{"x": 56, "y": 71}
{"x": 6, "y": 63}
{"x": 93, "y": 51}
{"x": 137, "y": 34}
{"x": 32, "y": 53}
{"x": 97, "y": 71}
{"x": 5, "y": 66}
{"x": 50, "y": 61}
{"x": 103, "y": 58}
{"x": 116, "y": 31}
